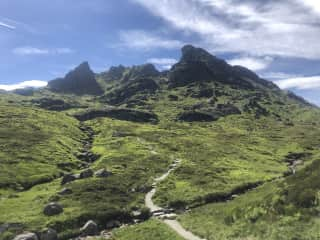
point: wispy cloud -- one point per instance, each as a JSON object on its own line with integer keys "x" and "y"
{"x": 285, "y": 28}
{"x": 25, "y": 84}
{"x": 253, "y": 63}
{"x": 301, "y": 83}
{"x": 143, "y": 40}
{"x": 41, "y": 51}
{"x": 163, "y": 63}
{"x": 5, "y": 25}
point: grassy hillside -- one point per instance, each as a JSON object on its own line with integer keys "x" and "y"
{"x": 235, "y": 134}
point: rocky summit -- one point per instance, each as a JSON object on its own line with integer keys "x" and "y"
{"x": 79, "y": 81}
{"x": 204, "y": 150}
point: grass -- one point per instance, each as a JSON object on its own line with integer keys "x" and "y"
{"x": 152, "y": 229}
{"x": 217, "y": 158}
{"x": 284, "y": 209}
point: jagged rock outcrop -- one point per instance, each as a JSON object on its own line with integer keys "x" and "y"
{"x": 203, "y": 114}
{"x": 51, "y": 104}
{"x": 141, "y": 71}
{"x": 118, "y": 113}
{"x": 80, "y": 81}
{"x": 197, "y": 65}
{"x": 142, "y": 87}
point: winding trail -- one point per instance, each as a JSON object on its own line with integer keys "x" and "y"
{"x": 166, "y": 215}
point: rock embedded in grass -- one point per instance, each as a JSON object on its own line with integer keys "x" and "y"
{"x": 89, "y": 229}
{"x": 65, "y": 191}
{"x": 87, "y": 173}
{"x": 26, "y": 236}
{"x": 102, "y": 173}
{"x": 68, "y": 178}
{"x": 48, "y": 234}
{"x": 52, "y": 209}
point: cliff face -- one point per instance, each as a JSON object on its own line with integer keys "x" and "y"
{"x": 79, "y": 81}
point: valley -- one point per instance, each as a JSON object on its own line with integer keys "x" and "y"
{"x": 218, "y": 151}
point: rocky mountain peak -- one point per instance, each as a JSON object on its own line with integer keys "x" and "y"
{"x": 79, "y": 81}
{"x": 142, "y": 71}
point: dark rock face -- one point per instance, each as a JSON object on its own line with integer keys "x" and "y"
{"x": 89, "y": 229}
{"x": 197, "y": 65}
{"x": 202, "y": 114}
{"x": 79, "y": 81}
{"x": 114, "y": 73}
{"x": 120, "y": 114}
{"x": 253, "y": 106}
{"x": 142, "y": 71}
{"x": 143, "y": 86}
{"x": 227, "y": 109}
{"x": 51, "y": 104}
{"x": 196, "y": 116}
{"x": 26, "y": 236}
{"x": 52, "y": 209}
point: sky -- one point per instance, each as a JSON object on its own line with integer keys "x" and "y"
{"x": 41, "y": 40}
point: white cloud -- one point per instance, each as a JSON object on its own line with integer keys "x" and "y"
{"x": 138, "y": 39}
{"x": 254, "y": 64}
{"x": 301, "y": 83}
{"x": 163, "y": 63}
{"x": 286, "y": 28}
{"x": 2, "y": 24}
{"x": 25, "y": 84}
{"x": 41, "y": 51}
{"x": 278, "y": 75}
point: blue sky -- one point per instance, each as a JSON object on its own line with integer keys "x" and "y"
{"x": 41, "y": 40}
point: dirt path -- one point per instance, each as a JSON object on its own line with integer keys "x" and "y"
{"x": 167, "y": 215}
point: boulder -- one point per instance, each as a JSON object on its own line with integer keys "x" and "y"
{"x": 65, "y": 191}
{"x": 87, "y": 173}
{"x": 26, "y": 236}
{"x": 89, "y": 229}
{"x": 113, "y": 224}
{"x": 48, "y": 234}
{"x": 52, "y": 209}
{"x": 102, "y": 173}
{"x": 68, "y": 178}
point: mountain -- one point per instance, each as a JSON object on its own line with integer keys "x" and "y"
{"x": 79, "y": 81}
{"x": 219, "y": 150}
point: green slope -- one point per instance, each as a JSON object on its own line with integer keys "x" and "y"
{"x": 232, "y": 131}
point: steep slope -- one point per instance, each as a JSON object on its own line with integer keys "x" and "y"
{"x": 233, "y": 133}
{"x": 79, "y": 81}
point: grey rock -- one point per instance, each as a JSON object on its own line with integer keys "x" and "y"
{"x": 102, "y": 173}
{"x": 65, "y": 191}
{"x": 48, "y": 234}
{"x": 26, "y": 236}
{"x": 89, "y": 229}
{"x": 52, "y": 209}
{"x": 68, "y": 178}
{"x": 113, "y": 224}
{"x": 87, "y": 173}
